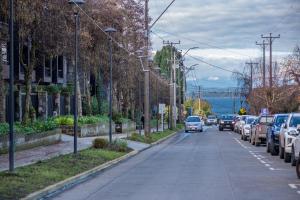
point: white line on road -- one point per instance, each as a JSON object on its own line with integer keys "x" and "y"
{"x": 294, "y": 185}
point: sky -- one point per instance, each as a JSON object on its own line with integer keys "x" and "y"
{"x": 225, "y": 32}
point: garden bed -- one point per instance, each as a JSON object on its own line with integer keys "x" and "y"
{"x": 88, "y": 130}
{"x": 28, "y": 141}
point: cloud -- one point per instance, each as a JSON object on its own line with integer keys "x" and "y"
{"x": 226, "y": 31}
{"x": 213, "y": 78}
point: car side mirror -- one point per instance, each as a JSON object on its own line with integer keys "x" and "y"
{"x": 298, "y": 127}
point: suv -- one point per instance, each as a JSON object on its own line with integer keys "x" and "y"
{"x": 193, "y": 123}
{"x": 226, "y": 121}
{"x": 212, "y": 120}
{"x": 287, "y": 135}
{"x": 260, "y": 133}
{"x": 246, "y": 128}
{"x": 296, "y": 151}
{"x": 273, "y": 133}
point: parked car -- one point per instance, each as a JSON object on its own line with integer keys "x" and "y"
{"x": 193, "y": 123}
{"x": 236, "y": 122}
{"x": 252, "y": 128}
{"x": 246, "y": 128}
{"x": 260, "y": 133}
{"x": 295, "y": 155}
{"x": 226, "y": 122}
{"x": 273, "y": 133}
{"x": 212, "y": 120}
{"x": 241, "y": 123}
{"x": 287, "y": 135}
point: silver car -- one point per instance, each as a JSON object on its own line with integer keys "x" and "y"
{"x": 193, "y": 123}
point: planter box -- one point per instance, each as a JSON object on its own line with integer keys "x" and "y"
{"x": 23, "y": 142}
{"x": 126, "y": 127}
{"x": 89, "y": 130}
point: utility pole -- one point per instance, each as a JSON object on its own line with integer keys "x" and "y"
{"x": 147, "y": 73}
{"x": 251, "y": 73}
{"x": 263, "y": 45}
{"x": 11, "y": 89}
{"x": 271, "y": 39}
{"x": 172, "y": 112}
{"x": 199, "y": 95}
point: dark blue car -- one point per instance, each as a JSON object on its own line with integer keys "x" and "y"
{"x": 273, "y": 133}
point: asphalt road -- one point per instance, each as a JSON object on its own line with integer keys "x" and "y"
{"x": 211, "y": 165}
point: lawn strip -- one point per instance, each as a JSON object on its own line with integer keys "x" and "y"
{"x": 37, "y": 176}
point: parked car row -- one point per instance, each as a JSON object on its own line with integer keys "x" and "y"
{"x": 280, "y": 133}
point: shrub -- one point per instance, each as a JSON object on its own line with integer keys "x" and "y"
{"x": 135, "y": 137}
{"x": 4, "y": 128}
{"x": 100, "y": 143}
{"x": 119, "y": 146}
{"x": 95, "y": 106}
{"x": 64, "y": 120}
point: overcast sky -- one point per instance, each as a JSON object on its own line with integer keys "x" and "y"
{"x": 226, "y": 31}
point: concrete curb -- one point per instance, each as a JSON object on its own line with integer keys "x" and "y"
{"x": 81, "y": 177}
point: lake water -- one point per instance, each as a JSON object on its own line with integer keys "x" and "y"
{"x": 223, "y": 105}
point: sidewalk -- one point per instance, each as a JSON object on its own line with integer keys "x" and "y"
{"x": 34, "y": 155}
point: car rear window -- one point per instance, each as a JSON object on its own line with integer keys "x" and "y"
{"x": 281, "y": 119}
{"x": 193, "y": 119}
{"x": 266, "y": 119}
{"x": 250, "y": 120}
{"x": 295, "y": 120}
{"x": 227, "y": 117}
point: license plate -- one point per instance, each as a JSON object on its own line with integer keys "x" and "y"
{"x": 227, "y": 125}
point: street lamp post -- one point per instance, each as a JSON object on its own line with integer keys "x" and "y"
{"x": 11, "y": 88}
{"x": 77, "y": 22}
{"x": 109, "y": 31}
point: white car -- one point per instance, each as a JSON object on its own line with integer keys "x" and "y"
{"x": 246, "y": 128}
{"x": 241, "y": 123}
{"x": 288, "y": 134}
{"x": 296, "y": 148}
{"x": 193, "y": 123}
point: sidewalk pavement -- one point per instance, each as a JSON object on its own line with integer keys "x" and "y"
{"x": 30, "y": 156}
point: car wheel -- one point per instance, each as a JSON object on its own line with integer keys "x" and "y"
{"x": 268, "y": 147}
{"x": 287, "y": 157}
{"x": 273, "y": 150}
{"x": 186, "y": 131}
{"x": 281, "y": 152}
{"x": 293, "y": 158}
{"x": 201, "y": 130}
{"x": 298, "y": 167}
{"x": 256, "y": 143}
{"x": 220, "y": 129}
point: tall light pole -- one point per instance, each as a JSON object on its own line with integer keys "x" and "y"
{"x": 77, "y": 27}
{"x": 110, "y": 30}
{"x": 157, "y": 103}
{"x": 11, "y": 88}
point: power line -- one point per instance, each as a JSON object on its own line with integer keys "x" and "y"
{"x": 202, "y": 43}
{"x": 212, "y": 65}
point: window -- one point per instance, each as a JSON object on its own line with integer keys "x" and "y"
{"x": 281, "y": 119}
{"x": 48, "y": 67}
{"x": 193, "y": 119}
{"x": 4, "y": 53}
{"x": 295, "y": 120}
{"x": 60, "y": 67}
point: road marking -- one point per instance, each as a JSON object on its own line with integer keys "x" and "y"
{"x": 293, "y": 186}
{"x": 267, "y": 165}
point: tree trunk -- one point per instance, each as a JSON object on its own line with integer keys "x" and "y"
{"x": 28, "y": 79}
{"x": 2, "y": 92}
{"x": 88, "y": 96}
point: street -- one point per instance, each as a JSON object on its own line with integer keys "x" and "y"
{"x": 209, "y": 165}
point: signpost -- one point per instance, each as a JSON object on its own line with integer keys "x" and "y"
{"x": 161, "y": 110}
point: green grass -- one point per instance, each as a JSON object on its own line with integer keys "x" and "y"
{"x": 153, "y": 137}
{"x": 37, "y": 176}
